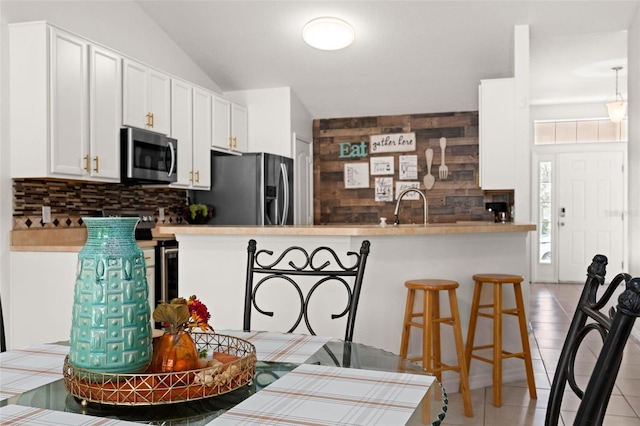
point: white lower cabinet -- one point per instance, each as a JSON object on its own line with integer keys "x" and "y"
{"x": 150, "y": 262}
{"x": 44, "y": 282}
{"x": 65, "y": 97}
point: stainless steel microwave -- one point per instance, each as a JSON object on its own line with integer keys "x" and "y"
{"x": 147, "y": 157}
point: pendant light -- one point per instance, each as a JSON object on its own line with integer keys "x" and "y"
{"x": 617, "y": 107}
{"x": 328, "y": 33}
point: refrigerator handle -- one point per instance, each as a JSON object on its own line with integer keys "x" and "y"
{"x": 285, "y": 179}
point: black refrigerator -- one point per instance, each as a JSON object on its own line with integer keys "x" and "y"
{"x": 249, "y": 189}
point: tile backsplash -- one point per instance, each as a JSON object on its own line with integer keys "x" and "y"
{"x": 71, "y": 200}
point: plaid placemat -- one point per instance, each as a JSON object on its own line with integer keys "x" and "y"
{"x": 281, "y": 347}
{"x": 19, "y": 415}
{"x": 25, "y": 369}
{"x": 322, "y": 395}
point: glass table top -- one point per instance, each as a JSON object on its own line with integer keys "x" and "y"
{"x": 431, "y": 410}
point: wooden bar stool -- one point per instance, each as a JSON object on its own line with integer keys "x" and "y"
{"x": 430, "y": 325}
{"x": 496, "y": 315}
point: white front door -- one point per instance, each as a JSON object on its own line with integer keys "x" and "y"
{"x": 303, "y": 182}
{"x": 590, "y": 206}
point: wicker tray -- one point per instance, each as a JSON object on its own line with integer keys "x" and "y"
{"x": 238, "y": 359}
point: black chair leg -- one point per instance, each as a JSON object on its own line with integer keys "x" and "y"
{"x": 3, "y": 343}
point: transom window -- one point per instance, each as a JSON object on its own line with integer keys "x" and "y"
{"x": 579, "y": 131}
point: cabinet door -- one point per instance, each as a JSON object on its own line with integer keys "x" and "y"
{"x": 105, "y": 89}
{"x": 497, "y": 133}
{"x": 150, "y": 264}
{"x": 239, "y": 128}
{"x": 221, "y": 123}
{"x": 134, "y": 93}
{"x": 159, "y": 102}
{"x": 69, "y": 104}
{"x": 181, "y": 130}
{"x": 202, "y": 132}
{"x": 47, "y": 289}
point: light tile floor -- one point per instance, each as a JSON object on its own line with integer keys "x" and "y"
{"x": 552, "y": 307}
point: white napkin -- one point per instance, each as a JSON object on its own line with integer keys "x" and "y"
{"x": 321, "y": 395}
{"x": 19, "y": 415}
{"x": 22, "y": 370}
{"x": 281, "y": 347}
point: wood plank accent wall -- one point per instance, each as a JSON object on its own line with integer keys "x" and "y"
{"x": 458, "y": 198}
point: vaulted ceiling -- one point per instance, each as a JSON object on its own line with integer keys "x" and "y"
{"x": 409, "y": 56}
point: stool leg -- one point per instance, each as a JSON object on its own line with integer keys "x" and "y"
{"x": 406, "y": 326}
{"x": 525, "y": 341}
{"x": 457, "y": 334}
{"x": 473, "y": 319}
{"x": 427, "y": 346}
{"x": 435, "y": 334}
{"x": 497, "y": 345}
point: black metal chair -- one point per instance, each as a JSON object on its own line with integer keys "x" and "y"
{"x": 3, "y": 342}
{"x": 305, "y": 272}
{"x": 614, "y": 330}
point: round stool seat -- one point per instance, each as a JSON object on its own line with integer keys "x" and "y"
{"x": 498, "y": 278}
{"x": 431, "y": 284}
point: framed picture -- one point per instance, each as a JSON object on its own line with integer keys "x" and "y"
{"x": 396, "y": 142}
{"x": 356, "y": 175}
{"x": 401, "y": 186}
{"x": 384, "y": 189}
{"x": 381, "y": 166}
{"x": 408, "y": 167}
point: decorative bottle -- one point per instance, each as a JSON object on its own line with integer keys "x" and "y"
{"x": 111, "y": 329}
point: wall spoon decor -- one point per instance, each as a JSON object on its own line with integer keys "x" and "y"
{"x": 429, "y": 179}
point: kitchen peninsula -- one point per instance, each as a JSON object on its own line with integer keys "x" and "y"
{"x": 213, "y": 259}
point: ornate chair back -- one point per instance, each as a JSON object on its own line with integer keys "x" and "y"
{"x": 305, "y": 272}
{"x": 614, "y": 328}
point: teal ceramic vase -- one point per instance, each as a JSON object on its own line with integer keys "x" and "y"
{"x": 111, "y": 329}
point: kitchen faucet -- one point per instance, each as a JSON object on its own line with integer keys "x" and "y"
{"x": 402, "y": 194}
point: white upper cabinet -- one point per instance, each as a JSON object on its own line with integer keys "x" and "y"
{"x": 191, "y": 127}
{"x": 146, "y": 98}
{"x": 239, "y": 128}
{"x": 497, "y": 134}
{"x": 105, "y": 97}
{"x": 182, "y": 130}
{"x": 64, "y": 98}
{"x": 202, "y": 138}
{"x": 230, "y": 126}
{"x": 69, "y": 104}
{"x": 221, "y": 123}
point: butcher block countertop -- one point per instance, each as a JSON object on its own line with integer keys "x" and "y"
{"x": 73, "y": 239}
{"x": 350, "y": 230}
{"x": 59, "y": 240}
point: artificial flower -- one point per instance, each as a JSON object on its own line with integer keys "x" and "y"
{"x": 183, "y": 315}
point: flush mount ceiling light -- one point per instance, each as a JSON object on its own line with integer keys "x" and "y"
{"x": 617, "y": 107}
{"x": 328, "y": 33}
